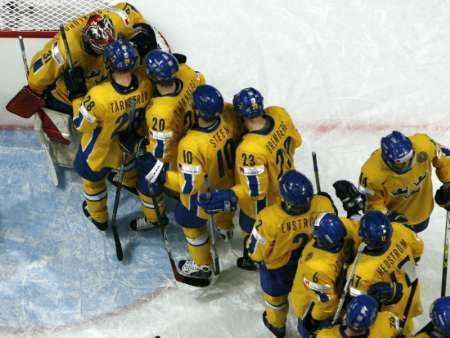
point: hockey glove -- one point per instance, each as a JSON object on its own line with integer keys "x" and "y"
{"x": 144, "y": 38}
{"x": 395, "y": 216}
{"x": 75, "y": 82}
{"x": 352, "y": 199}
{"x": 128, "y": 140}
{"x": 386, "y": 293}
{"x": 218, "y": 201}
{"x": 442, "y": 196}
{"x": 151, "y": 168}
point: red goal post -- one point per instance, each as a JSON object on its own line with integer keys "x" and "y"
{"x": 41, "y": 18}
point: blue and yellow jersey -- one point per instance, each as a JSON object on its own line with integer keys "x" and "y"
{"x": 386, "y": 325}
{"x": 169, "y": 117}
{"x": 277, "y": 236}
{"x": 316, "y": 281}
{"x": 206, "y": 159}
{"x": 103, "y": 113}
{"x": 398, "y": 264}
{"x": 261, "y": 158}
{"x": 411, "y": 193}
{"x": 48, "y": 65}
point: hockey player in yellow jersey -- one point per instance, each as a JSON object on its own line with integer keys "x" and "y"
{"x": 168, "y": 117}
{"x": 278, "y": 237}
{"x": 362, "y": 319}
{"x": 316, "y": 286}
{"x": 439, "y": 327}
{"x": 103, "y": 115}
{"x": 397, "y": 178}
{"x": 264, "y": 154}
{"x": 386, "y": 269}
{"x": 205, "y": 161}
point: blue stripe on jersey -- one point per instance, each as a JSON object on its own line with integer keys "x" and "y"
{"x": 261, "y": 204}
{"x": 188, "y": 183}
{"x": 37, "y": 65}
{"x": 252, "y": 245}
{"x": 77, "y": 121}
{"x": 159, "y": 150}
{"x": 253, "y": 185}
{"x": 90, "y": 145}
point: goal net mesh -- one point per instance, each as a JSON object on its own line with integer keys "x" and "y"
{"x": 43, "y": 15}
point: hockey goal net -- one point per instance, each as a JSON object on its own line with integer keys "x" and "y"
{"x": 41, "y": 18}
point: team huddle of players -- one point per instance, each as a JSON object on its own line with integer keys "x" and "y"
{"x": 141, "y": 107}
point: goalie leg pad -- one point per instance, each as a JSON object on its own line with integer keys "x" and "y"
{"x": 25, "y": 103}
{"x": 55, "y": 125}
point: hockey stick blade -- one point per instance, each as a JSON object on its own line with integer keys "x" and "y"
{"x": 119, "y": 251}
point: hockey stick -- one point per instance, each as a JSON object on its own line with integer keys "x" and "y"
{"x": 179, "y": 277}
{"x": 66, "y": 46}
{"x": 316, "y": 171}
{"x": 212, "y": 233}
{"x": 445, "y": 261}
{"x": 361, "y": 248}
{"x": 51, "y": 166}
{"x": 119, "y": 251}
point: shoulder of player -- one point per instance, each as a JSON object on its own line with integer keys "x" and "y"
{"x": 374, "y": 169}
{"x": 423, "y": 143}
{"x": 161, "y": 108}
{"x": 321, "y": 202}
{"x": 97, "y": 93}
{"x": 250, "y": 145}
{"x": 273, "y": 212}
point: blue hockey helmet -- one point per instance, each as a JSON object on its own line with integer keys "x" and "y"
{"x": 440, "y": 315}
{"x": 329, "y": 231}
{"x": 397, "y": 152}
{"x": 249, "y": 103}
{"x": 120, "y": 56}
{"x": 207, "y": 102}
{"x": 296, "y": 192}
{"x": 375, "y": 230}
{"x": 361, "y": 312}
{"x": 161, "y": 67}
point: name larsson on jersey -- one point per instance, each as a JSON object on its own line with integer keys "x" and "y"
{"x": 393, "y": 257}
{"x": 277, "y": 135}
{"x": 121, "y": 105}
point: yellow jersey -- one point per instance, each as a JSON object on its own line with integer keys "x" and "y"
{"x": 276, "y": 235}
{"x": 317, "y": 282}
{"x": 169, "y": 117}
{"x": 48, "y": 65}
{"x": 386, "y": 325}
{"x": 396, "y": 264}
{"x": 103, "y": 113}
{"x": 261, "y": 158}
{"x": 411, "y": 193}
{"x": 206, "y": 159}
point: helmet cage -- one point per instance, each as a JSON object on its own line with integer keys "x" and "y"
{"x": 99, "y": 33}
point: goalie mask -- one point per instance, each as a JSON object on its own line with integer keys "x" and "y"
{"x": 98, "y": 33}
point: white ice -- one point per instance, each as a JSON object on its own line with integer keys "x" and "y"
{"x": 349, "y": 72}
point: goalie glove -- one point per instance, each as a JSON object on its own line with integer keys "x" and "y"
{"x": 352, "y": 199}
{"x": 75, "y": 82}
{"x": 144, "y": 38}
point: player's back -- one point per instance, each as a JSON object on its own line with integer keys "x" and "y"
{"x": 290, "y": 233}
{"x": 397, "y": 263}
{"x": 169, "y": 117}
{"x": 268, "y": 154}
{"x": 109, "y": 109}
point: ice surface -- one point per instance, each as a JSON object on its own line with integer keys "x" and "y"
{"x": 348, "y": 71}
